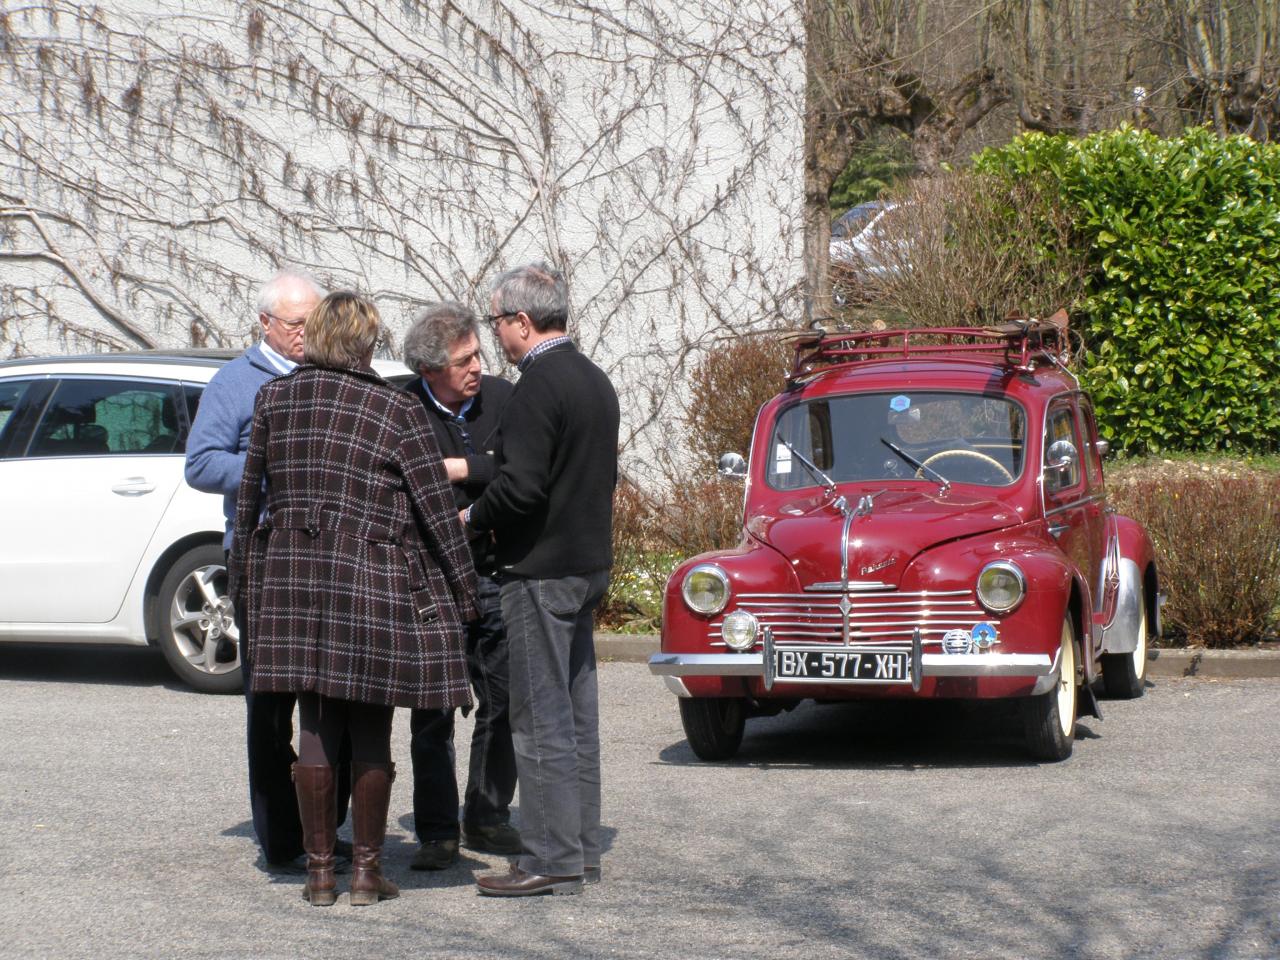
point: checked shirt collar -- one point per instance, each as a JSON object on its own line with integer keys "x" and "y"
{"x": 541, "y": 348}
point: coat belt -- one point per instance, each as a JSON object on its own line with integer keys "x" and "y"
{"x": 316, "y": 520}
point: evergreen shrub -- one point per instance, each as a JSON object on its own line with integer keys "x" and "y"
{"x": 1181, "y": 315}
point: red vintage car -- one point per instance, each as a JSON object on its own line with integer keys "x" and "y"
{"x": 925, "y": 516}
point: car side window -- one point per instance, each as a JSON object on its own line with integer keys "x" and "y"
{"x": 1061, "y": 451}
{"x": 1092, "y": 459}
{"x": 12, "y": 394}
{"x": 104, "y": 417}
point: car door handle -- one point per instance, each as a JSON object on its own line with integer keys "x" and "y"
{"x": 1058, "y": 529}
{"x": 132, "y": 486}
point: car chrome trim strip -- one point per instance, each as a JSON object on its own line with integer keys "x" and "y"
{"x": 676, "y": 686}
{"x": 986, "y": 664}
{"x": 853, "y": 587}
{"x": 834, "y": 586}
{"x": 931, "y": 665}
{"x": 1073, "y": 505}
{"x": 1048, "y": 680}
{"x": 858, "y": 618}
{"x": 707, "y": 664}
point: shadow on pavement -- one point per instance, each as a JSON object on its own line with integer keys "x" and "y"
{"x": 886, "y": 734}
{"x": 88, "y": 663}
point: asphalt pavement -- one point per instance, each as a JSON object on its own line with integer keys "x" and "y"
{"x": 882, "y": 830}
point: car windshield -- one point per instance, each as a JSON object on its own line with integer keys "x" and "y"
{"x": 959, "y": 437}
{"x": 854, "y": 219}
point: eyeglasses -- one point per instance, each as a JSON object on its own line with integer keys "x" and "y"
{"x": 291, "y": 325}
{"x": 463, "y": 362}
{"x": 493, "y": 319}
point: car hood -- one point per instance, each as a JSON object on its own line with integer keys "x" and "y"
{"x": 883, "y": 542}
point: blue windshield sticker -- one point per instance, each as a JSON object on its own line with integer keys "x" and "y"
{"x": 899, "y": 403}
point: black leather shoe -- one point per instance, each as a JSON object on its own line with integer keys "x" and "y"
{"x": 435, "y": 855}
{"x": 517, "y": 883}
{"x": 500, "y": 838}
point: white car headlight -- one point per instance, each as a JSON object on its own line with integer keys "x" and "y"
{"x": 1001, "y": 586}
{"x": 739, "y": 630}
{"x": 706, "y": 589}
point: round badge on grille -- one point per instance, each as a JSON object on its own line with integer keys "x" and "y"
{"x": 955, "y": 641}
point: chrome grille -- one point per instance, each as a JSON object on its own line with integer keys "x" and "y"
{"x": 878, "y": 616}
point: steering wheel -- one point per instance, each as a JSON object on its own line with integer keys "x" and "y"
{"x": 971, "y": 454}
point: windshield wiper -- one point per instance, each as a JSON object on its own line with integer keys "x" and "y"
{"x": 809, "y": 465}
{"x": 946, "y": 484}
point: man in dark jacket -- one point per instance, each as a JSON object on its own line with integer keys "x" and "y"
{"x": 463, "y": 405}
{"x": 550, "y": 507}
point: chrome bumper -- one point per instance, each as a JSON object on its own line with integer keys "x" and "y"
{"x": 931, "y": 664}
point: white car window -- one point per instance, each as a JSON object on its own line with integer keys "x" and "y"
{"x": 88, "y": 417}
{"x": 11, "y": 394}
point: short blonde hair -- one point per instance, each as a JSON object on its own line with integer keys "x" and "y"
{"x": 341, "y": 331}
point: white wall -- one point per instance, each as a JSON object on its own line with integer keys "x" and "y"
{"x": 159, "y": 158}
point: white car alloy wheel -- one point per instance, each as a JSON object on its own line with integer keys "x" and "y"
{"x": 198, "y": 633}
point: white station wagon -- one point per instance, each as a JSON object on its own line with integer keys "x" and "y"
{"x": 103, "y": 541}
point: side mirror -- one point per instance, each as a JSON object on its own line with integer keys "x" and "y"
{"x": 1060, "y": 462}
{"x": 1103, "y": 448}
{"x": 732, "y": 466}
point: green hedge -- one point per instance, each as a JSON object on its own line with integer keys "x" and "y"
{"x": 1181, "y": 322}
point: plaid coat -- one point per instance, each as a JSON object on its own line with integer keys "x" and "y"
{"x": 348, "y": 556}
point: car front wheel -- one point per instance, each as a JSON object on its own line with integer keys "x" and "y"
{"x": 1049, "y": 720}
{"x": 198, "y": 634}
{"x": 713, "y": 725}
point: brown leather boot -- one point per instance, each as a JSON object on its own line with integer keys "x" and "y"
{"x": 370, "y": 799}
{"x": 315, "y": 786}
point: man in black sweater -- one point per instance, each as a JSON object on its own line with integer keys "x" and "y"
{"x": 550, "y": 507}
{"x": 463, "y": 405}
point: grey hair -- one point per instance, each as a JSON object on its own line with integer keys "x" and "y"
{"x": 269, "y": 292}
{"x": 537, "y": 289}
{"x": 436, "y": 328}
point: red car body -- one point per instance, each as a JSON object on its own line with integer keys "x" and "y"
{"x": 990, "y": 455}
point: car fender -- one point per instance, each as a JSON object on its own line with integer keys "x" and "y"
{"x": 751, "y": 567}
{"x": 192, "y": 517}
{"x": 1053, "y": 584}
{"x": 1137, "y": 585}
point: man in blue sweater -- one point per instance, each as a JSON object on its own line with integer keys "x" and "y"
{"x": 215, "y": 462}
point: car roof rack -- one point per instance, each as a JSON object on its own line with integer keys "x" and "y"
{"x": 1018, "y": 342}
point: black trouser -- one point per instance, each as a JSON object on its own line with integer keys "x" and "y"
{"x": 269, "y": 735}
{"x": 491, "y": 780}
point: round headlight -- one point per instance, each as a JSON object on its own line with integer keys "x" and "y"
{"x": 739, "y": 630}
{"x": 706, "y": 589}
{"x": 1001, "y": 586}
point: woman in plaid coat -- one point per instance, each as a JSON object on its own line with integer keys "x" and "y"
{"x": 352, "y": 567}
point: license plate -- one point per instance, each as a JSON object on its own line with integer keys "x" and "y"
{"x": 842, "y": 666}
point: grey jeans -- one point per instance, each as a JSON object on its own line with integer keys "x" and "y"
{"x": 555, "y": 718}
